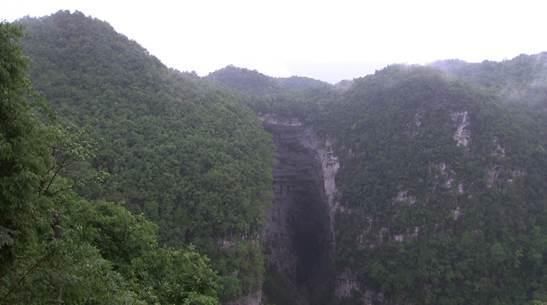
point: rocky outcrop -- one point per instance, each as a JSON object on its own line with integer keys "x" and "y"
{"x": 462, "y": 136}
{"x": 324, "y": 154}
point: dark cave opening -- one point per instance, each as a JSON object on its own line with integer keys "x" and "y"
{"x": 308, "y": 235}
{"x": 298, "y": 237}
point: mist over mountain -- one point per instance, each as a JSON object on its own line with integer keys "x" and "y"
{"x": 430, "y": 182}
{"x": 522, "y": 79}
{"x": 126, "y": 182}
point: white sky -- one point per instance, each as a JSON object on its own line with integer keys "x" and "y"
{"x": 329, "y": 40}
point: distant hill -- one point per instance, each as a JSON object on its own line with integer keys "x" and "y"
{"x": 244, "y": 80}
{"x": 253, "y": 82}
{"x": 292, "y": 96}
{"x": 343, "y": 85}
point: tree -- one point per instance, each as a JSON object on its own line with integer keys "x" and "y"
{"x": 24, "y": 156}
{"x": 58, "y": 248}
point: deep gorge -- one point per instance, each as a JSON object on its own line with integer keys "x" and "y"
{"x": 298, "y": 234}
{"x": 124, "y": 181}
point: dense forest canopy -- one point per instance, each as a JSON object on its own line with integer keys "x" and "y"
{"x": 442, "y": 180}
{"x": 451, "y": 184}
{"x": 168, "y": 145}
{"x": 522, "y": 79}
{"x": 125, "y": 182}
{"x": 56, "y": 246}
{"x": 292, "y": 96}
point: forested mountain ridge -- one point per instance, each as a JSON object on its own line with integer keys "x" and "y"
{"x": 414, "y": 185}
{"x": 255, "y": 83}
{"x": 522, "y": 79}
{"x": 169, "y": 145}
{"x": 440, "y": 189}
{"x": 442, "y": 193}
{"x": 294, "y": 96}
{"x": 57, "y": 247}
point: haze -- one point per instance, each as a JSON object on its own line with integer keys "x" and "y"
{"x": 328, "y": 40}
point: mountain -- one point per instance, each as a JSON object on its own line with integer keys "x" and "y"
{"x": 442, "y": 193}
{"x": 57, "y": 247}
{"x": 522, "y": 79}
{"x": 295, "y": 96}
{"x": 343, "y": 85}
{"x": 432, "y": 185}
{"x": 300, "y": 83}
{"x": 244, "y": 80}
{"x": 252, "y": 82}
{"x": 414, "y": 185}
{"x": 168, "y": 144}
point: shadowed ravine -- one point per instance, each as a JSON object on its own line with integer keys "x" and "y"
{"x": 298, "y": 235}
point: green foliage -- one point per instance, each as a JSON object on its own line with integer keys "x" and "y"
{"x": 177, "y": 277}
{"x": 294, "y": 96}
{"x": 57, "y": 248}
{"x": 168, "y": 145}
{"x": 520, "y": 80}
{"x": 483, "y": 244}
{"x": 394, "y": 134}
{"x": 23, "y": 150}
{"x": 193, "y": 158}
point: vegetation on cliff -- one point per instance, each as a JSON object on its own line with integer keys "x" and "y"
{"x": 125, "y": 182}
{"x": 443, "y": 192}
{"x": 188, "y": 156}
{"x": 441, "y": 186}
{"x": 57, "y": 247}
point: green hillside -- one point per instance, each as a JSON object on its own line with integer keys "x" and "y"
{"x": 291, "y": 96}
{"x": 55, "y": 246}
{"x": 441, "y": 187}
{"x": 522, "y": 79}
{"x": 125, "y": 182}
{"x": 168, "y": 145}
{"x": 443, "y": 192}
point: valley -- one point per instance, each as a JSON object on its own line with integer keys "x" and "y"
{"x": 124, "y": 181}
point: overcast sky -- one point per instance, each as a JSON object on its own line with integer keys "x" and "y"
{"x": 329, "y": 40}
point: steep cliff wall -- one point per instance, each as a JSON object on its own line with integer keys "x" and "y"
{"x": 299, "y": 231}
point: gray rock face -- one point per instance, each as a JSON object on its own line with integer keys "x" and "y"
{"x": 298, "y": 234}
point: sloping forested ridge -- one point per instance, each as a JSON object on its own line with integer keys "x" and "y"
{"x": 186, "y": 155}
{"x": 443, "y": 192}
{"x": 291, "y": 96}
{"x": 145, "y": 185}
{"x": 442, "y": 184}
{"x": 522, "y": 79}
{"x": 59, "y": 248}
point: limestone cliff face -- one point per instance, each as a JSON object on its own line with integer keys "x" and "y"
{"x": 299, "y": 231}
{"x": 475, "y": 164}
{"x": 324, "y": 154}
{"x": 414, "y": 182}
